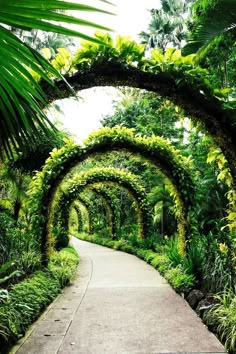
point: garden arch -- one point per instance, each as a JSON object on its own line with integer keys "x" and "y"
{"x": 112, "y": 199}
{"x": 83, "y": 180}
{"x": 77, "y": 208}
{"x": 175, "y": 80}
{"x": 105, "y": 192}
{"x": 157, "y": 150}
{"x": 81, "y": 201}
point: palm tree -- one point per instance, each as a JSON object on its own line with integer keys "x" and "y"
{"x": 21, "y": 97}
{"x": 167, "y": 26}
{"x": 211, "y": 19}
{"x": 39, "y": 40}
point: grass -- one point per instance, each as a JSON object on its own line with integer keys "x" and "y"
{"x": 222, "y": 318}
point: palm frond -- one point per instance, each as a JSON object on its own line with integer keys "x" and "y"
{"x": 21, "y": 97}
{"x": 219, "y": 19}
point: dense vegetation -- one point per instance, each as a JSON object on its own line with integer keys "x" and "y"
{"x": 158, "y": 180}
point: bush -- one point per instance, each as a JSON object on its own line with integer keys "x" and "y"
{"x": 180, "y": 281}
{"x": 161, "y": 262}
{"x": 63, "y": 265}
{"x": 171, "y": 249}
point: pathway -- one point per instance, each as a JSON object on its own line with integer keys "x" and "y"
{"x": 118, "y": 304}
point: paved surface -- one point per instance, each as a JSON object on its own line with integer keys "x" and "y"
{"x": 118, "y": 304}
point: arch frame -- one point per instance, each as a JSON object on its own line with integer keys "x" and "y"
{"x": 85, "y": 179}
{"x": 175, "y": 167}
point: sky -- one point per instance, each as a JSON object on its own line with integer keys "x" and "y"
{"x": 80, "y": 117}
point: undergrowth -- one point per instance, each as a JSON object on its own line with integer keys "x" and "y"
{"x": 24, "y": 302}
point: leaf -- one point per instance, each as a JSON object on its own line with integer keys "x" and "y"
{"x": 46, "y": 52}
{"x": 157, "y": 55}
{"x": 21, "y": 97}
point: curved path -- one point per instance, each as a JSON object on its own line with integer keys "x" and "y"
{"x": 118, "y": 304}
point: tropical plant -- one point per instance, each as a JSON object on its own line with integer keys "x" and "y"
{"x": 167, "y": 26}
{"x": 21, "y": 95}
{"x": 222, "y": 318}
{"x": 24, "y": 302}
{"x": 211, "y": 19}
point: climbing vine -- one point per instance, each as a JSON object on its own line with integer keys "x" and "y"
{"x": 83, "y": 225}
{"x": 177, "y": 168}
{"x": 114, "y": 202}
{"x": 122, "y": 62}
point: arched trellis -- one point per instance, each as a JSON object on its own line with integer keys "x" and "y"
{"x": 77, "y": 206}
{"x": 114, "y": 203}
{"x": 88, "y": 204}
{"x": 182, "y": 88}
{"x": 83, "y": 180}
{"x": 106, "y": 192}
{"x": 156, "y": 149}
{"x": 109, "y": 210}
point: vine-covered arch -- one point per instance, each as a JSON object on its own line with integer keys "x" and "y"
{"x": 80, "y": 217}
{"x": 106, "y": 202}
{"x": 112, "y": 199}
{"x": 157, "y": 150}
{"x": 81, "y": 201}
{"x": 123, "y": 63}
{"x": 83, "y": 180}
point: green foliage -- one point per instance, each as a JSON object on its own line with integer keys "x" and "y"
{"x": 27, "y": 162}
{"x": 63, "y": 265}
{"x": 171, "y": 249}
{"x": 111, "y": 175}
{"x": 222, "y": 317}
{"x": 123, "y": 51}
{"x": 19, "y": 256}
{"x": 181, "y": 282}
{"x": 217, "y": 273}
{"x": 148, "y": 114}
{"x": 161, "y": 262}
{"x": 26, "y": 300}
{"x": 176, "y": 167}
{"x": 21, "y": 95}
{"x": 211, "y": 19}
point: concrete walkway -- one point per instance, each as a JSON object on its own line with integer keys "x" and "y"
{"x": 118, "y": 304}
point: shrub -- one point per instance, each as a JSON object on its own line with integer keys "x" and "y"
{"x": 161, "y": 262}
{"x": 171, "y": 249}
{"x": 217, "y": 273}
{"x": 63, "y": 265}
{"x": 180, "y": 281}
{"x": 119, "y": 244}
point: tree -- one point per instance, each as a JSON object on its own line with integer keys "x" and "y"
{"x": 39, "y": 40}
{"x": 167, "y": 25}
{"x": 212, "y": 37}
{"x": 211, "y": 20}
{"x": 21, "y": 96}
{"x": 149, "y": 115}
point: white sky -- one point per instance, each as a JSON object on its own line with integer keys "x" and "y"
{"x": 83, "y": 116}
